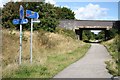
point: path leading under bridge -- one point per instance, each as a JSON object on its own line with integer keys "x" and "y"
{"x": 90, "y": 66}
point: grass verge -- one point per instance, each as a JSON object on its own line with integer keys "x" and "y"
{"x": 52, "y": 52}
{"x": 113, "y": 65}
{"x": 53, "y": 65}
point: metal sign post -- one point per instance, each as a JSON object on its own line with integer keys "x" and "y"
{"x": 20, "y": 55}
{"x": 31, "y": 40}
{"x": 21, "y": 17}
{"x": 20, "y": 21}
{"x": 32, "y": 21}
{"x": 32, "y": 15}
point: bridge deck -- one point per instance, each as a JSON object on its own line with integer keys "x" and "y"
{"x": 72, "y": 24}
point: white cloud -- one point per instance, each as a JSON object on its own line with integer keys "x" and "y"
{"x": 50, "y": 1}
{"x": 91, "y": 12}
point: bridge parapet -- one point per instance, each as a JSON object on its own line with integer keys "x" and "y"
{"x": 73, "y": 24}
{"x": 94, "y": 27}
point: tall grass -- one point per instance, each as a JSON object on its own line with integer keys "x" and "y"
{"x": 113, "y": 47}
{"x": 66, "y": 32}
{"x": 52, "y": 52}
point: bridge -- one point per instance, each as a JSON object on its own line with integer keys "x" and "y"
{"x": 79, "y": 25}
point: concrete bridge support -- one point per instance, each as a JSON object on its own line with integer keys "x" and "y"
{"x": 80, "y": 35}
{"x": 106, "y": 34}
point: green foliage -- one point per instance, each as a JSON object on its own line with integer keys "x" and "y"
{"x": 92, "y": 36}
{"x": 112, "y": 67}
{"x": 88, "y": 35}
{"x": 84, "y": 36}
{"x": 49, "y": 15}
{"x": 100, "y": 35}
{"x": 64, "y": 13}
{"x": 112, "y": 33}
{"x": 117, "y": 43}
{"x": 114, "y": 48}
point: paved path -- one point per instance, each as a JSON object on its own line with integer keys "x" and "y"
{"x": 90, "y": 66}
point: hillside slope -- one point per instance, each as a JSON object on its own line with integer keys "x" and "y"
{"x": 113, "y": 46}
{"x": 52, "y": 52}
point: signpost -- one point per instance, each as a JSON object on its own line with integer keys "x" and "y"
{"x": 33, "y": 16}
{"x": 20, "y": 21}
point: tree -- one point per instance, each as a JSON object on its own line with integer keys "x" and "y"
{"x": 84, "y": 36}
{"x": 92, "y": 36}
{"x": 64, "y": 13}
{"x": 101, "y": 35}
{"x": 48, "y": 13}
{"x": 112, "y": 33}
{"x": 88, "y": 35}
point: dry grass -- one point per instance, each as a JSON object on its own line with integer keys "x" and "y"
{"x": 45, "y": 45}
{"x": 113, "y": 65}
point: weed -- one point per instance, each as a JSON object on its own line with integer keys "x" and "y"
{"x": 113, "y": 47}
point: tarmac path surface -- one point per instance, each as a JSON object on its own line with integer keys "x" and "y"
{"x": 92, "y": 65}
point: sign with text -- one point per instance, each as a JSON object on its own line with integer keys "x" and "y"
{"x": 18, "y": 21}
{"x": 21, "y": 12}
{"x": 32, "y": 14}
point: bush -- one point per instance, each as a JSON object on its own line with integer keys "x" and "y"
{"x": 45, "y": 40}
{"x": 114, "y": 47}
{"x": 112, "y": 67}
{"x": 49, "y": 15}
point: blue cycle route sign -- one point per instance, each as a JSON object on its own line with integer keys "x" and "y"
{"x": 21, "y": 20}
{"x": 21, "y": 12}
{"x": 32, "y": 14}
